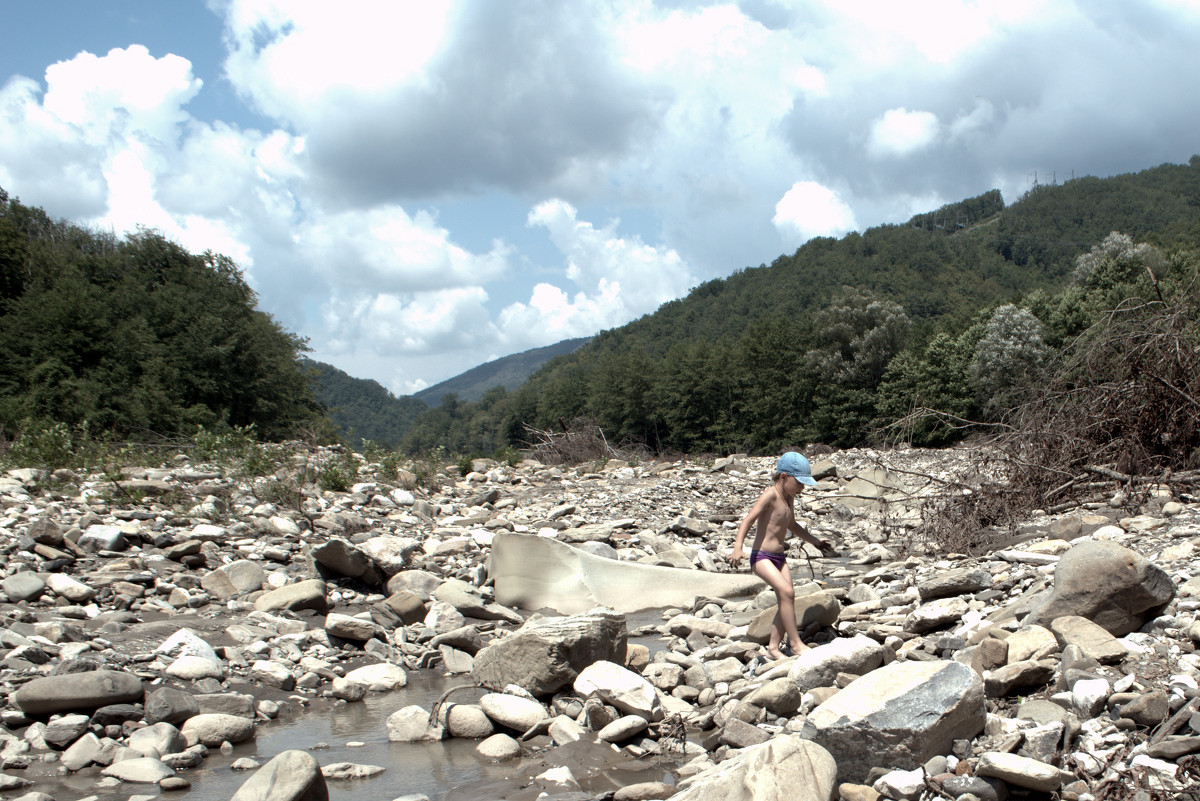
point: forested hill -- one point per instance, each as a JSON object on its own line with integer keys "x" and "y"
{"x": 806, "y": 349}
{"x": 362, "y": 408}
{"x": 508, "y": 372}
{"x": 133, "y": 336}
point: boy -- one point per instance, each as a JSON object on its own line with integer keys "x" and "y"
{"x": 775, "y": 518}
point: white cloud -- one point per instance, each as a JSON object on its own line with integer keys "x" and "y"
{"x": 900, "y": 132}
{"x": 301, "y": 59}
{"x": 809, "y": 209}
{"x": 388, "y": 250}
{"x": 390, "y": 324}
{"x": 127, "y": 92}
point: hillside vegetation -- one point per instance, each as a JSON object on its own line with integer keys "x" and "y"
{"x": 363, "y": 409}
{"x": 509, "y": 372}
{"x": 956, "y": 310}
{"x": 134, "y": 336}
{"x": 906, "y": 333}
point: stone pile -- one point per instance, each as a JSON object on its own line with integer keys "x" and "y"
{"x": 189, "y": 611}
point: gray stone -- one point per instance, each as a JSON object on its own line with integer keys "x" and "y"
{"x": 380, "y": 677}
{"x": 818, "y": 667}
{"x": 499, "y": 747}
{"x": 786, "y": 767}
{"x": 1021, "y": 771}
{"x": 144, "y": 770}
{"x": 780, "y": 697}
{"x": 238, "y": 704}
{"x": 407, "y": 605}
{"x": 513, "y": 711}
{"x": 545, "y": 655}
{"x": 61, "y": 732}
{"x": 459, "y": 594}
{"x": 81, "y": 753}
{"x": 954, "y": 582}
{"x": 342, "y": 771}
{"x": 307, "y": 594}
{"x": 899, "y": 715}
{"x": 620, "y": 687}
{"x": 822, "y": 608}
{"x": 410, "y": 724}
{"x": 102, "y": 538}
{"x": 1106, "y": 583}
{"x": 157, "y": 740}
{"x": 344, "y": 559}
{"x": 1018, "y": 676}
{"x": 46, "y": 532}
{"x": 23, "y": 586}
{"x": 935, "y": 615}
{"x": 740, "y": 734}
{"x": 419, "y": 582}
{"x": 468, "y": 721}
{"x": 349, "y": 628}
{"x": 595, "y": 532}
{"x": 1092, "y": 640}
{"x": 290, "y": 776}
{"x": 83, "y": 691}
{"x": 170, "y": 705}
{"x": 622, "y": 729}
{"x": 213, "y": 729}
{"x": 234, "y": 579}
{"x": 1148, "y": 709}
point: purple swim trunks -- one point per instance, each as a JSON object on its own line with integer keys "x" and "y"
{"x": 777, "y": 559}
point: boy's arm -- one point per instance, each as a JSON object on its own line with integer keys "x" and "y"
{"x": 736, "y": 554}
{"x": 798, "y": 528}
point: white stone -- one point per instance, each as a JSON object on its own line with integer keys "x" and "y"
{"x": 381, "y": 677}
{"x": 622, "y": 688}
{"x": 513, "y": 712}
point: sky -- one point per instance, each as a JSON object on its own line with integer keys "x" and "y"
{"x": 421, "y": 187}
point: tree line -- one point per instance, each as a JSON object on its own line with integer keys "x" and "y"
{"x": 840, "y": 340}
{"x": 134, "y": 335}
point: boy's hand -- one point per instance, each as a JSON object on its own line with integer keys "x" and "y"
{"x": 826, "y": 548}
{"x": 735, "y": 556}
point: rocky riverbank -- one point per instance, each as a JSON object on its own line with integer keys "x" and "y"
{"x": 190, "y": 608}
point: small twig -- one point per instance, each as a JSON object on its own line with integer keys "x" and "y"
{"x": 435, "y": 710}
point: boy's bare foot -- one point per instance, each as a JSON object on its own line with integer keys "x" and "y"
{"x": 797, "y": 648}
{"x": 774, "y": 654}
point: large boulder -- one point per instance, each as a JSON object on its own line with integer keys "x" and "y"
{"x": 786, "y": 768}
{"x": 954, "y": 582}
{"x": 342, "y": 558}
{"x": 818, "y": 607}
{"x": 234, "y": 579}
{"x": 818, "y": 667}
{"x": 620, "y": 687}
{"x": 546, "y": 655}
{"x": 308, "y": 594}
{"x": 290, "y": 776}
{"x": 534, "y": 572}
{"x": 212, "y": 729}
{"x": 900, "y": 716}
{"x": 83, "y": 691}
{"x": 1106, "y": 583}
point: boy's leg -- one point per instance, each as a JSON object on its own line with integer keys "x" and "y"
{"x": 785, "y": 617}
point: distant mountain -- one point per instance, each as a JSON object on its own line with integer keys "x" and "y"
{"x": 509, "y": 372}
{"x": 362, "y": 408}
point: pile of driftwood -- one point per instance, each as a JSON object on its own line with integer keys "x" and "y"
{"x": 1118, "y": 419}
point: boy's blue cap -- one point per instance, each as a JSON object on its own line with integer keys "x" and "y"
{"x": 797, "y": 467}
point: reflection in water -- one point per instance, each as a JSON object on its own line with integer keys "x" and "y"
{"x": 449, "y": 769}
